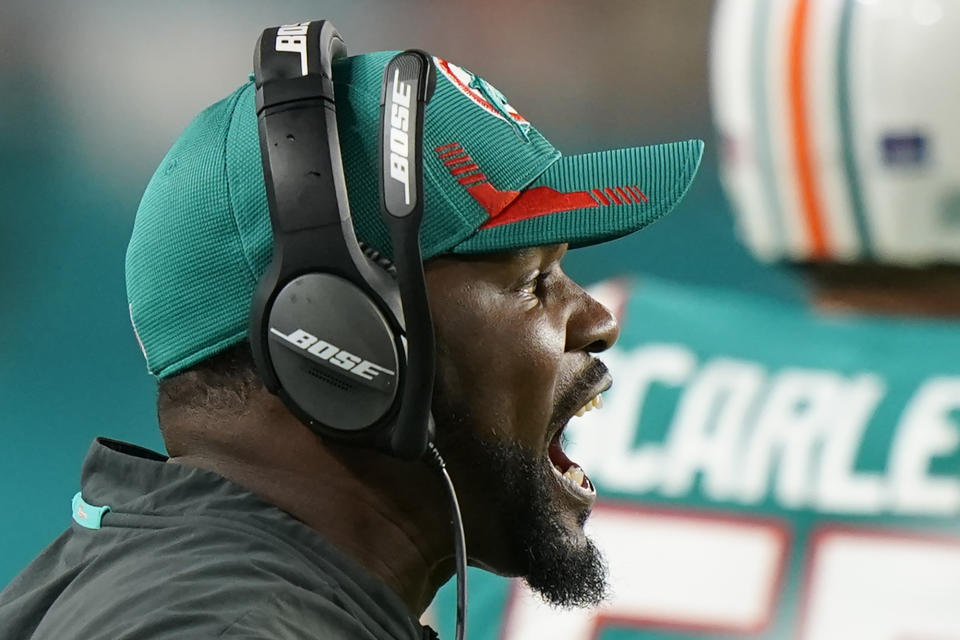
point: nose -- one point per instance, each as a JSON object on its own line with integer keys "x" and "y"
{"x": 591, "y": 326}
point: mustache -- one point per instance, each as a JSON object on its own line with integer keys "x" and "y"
{"x": 573, "y": 397}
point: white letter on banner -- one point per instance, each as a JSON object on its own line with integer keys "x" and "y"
{"x": 626, "y": 467}
{"x": 839, "y": 488}
{"x": 927, "y": 430}
{"x": 788, "y": 426}
{"x": 707, "y": 434}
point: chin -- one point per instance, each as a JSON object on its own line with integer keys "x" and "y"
{"x": 539, "y": 516}
{"x": 525, "y": 511}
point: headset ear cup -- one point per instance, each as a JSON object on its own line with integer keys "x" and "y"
{"x": 335, "y": 355}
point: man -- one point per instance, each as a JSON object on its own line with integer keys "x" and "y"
{"x": 255, "y": 526}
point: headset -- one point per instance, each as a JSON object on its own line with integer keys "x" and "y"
{"x": 340, "y": 333}
{"x": 343, "y": 337}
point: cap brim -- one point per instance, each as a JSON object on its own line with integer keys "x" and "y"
{"x": 591, "y": 198}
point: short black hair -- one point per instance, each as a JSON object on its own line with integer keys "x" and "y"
{"x": 220, "y": 384}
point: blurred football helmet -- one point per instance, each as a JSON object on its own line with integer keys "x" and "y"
{"x": 840, "y": 127}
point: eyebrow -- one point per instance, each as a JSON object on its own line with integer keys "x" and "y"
{"x": 554, "y": 251}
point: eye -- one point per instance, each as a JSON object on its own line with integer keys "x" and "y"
{"x": 535, "y": 283}
{"x": 530, "y": 285}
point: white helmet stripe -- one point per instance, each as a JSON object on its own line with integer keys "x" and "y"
{"x": 822, "y": 40}
{"x": 760, "y": 58}
{"x": 844, "y": 109}
{"x": 740, "y": 71}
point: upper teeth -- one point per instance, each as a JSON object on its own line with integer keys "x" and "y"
{"x": 595, "y": 401}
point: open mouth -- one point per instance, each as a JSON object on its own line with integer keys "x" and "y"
{"x": 568, "y": 472}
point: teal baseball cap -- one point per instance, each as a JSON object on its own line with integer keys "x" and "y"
{"x": 202, "y": 236}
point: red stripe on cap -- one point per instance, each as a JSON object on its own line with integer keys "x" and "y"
{"x": 491, "y": 198}
{"x": 506, "y": 206}
{"x": 634, "y": 189}
{"x": 444, "y": 147}
{"x": 447, "y": 154}
{"x": 465, "y": 169}
{"x": 539, "y": 201}
{"x": 612, "y": 195}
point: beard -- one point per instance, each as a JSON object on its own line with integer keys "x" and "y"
{"x": 565, "y": 569}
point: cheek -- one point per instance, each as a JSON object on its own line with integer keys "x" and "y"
{"x": 503, "y": 371}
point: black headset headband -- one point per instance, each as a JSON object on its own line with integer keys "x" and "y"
{"x": 321, "y": 294}
{"x": 320, "y": 277}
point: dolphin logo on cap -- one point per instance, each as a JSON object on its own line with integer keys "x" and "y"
{"x": 484, "y": 95}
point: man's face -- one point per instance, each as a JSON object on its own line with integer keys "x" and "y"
{"x": 514, "y": 343}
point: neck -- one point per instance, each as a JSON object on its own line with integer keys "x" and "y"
{"x": 390, "y": 515}
{"x": 926, "y": 292}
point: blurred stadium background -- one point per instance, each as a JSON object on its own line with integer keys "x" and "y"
{"x": 96, "y": 91}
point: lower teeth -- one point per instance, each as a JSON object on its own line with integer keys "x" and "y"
{"x": 575, "y": 475}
